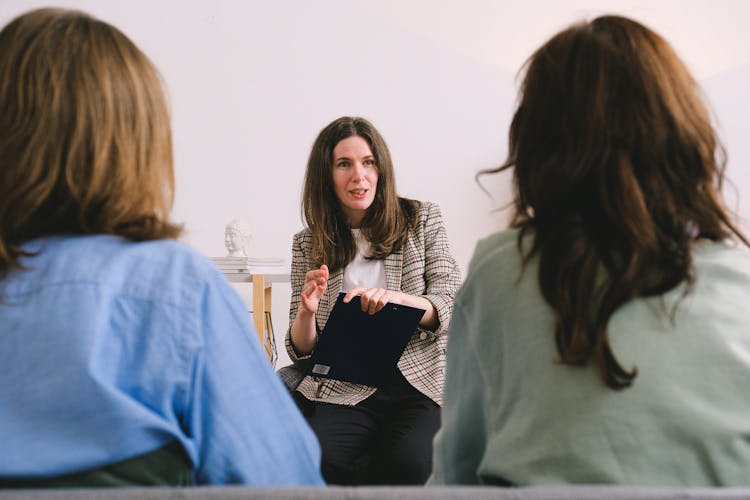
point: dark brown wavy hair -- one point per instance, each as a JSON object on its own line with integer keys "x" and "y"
{"x": 386, "y": 223}
{"x": 617, "y": 171}
{"x": 85, "y": 138}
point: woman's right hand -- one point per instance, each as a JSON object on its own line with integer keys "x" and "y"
{"x": 303, "y": 331}
{"x": 315, "y": 285}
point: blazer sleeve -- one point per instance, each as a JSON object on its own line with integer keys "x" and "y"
{"x": 301, "y": 244}
{"x": 442, "y": 274}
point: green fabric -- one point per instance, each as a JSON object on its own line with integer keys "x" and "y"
{"x": 513, "y": 413}
{"x": 167, "y": 466}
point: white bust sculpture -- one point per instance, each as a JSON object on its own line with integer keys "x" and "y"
{"x": 237, "y": 238}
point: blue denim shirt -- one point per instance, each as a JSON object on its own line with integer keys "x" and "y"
{"x": 110, "y": 349}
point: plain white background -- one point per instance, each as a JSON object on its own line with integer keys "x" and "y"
{"x": 251, "y": 83}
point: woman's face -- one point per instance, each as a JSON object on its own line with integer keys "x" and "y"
{"x": 355, "y": 177}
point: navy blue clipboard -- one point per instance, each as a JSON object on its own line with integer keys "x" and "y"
{"x": 357, "y": 347}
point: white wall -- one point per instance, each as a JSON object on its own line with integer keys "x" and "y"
{"x": 251, "y": 83}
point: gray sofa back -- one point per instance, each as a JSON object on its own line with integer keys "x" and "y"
{"x": 383, "y": 493}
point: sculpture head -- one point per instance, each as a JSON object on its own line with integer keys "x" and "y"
{"x": 237, "y": 238}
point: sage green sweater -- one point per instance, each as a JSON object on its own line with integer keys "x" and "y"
{"x": 513, "y": 413}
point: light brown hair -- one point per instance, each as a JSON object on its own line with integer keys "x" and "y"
{"x": 85, "y": 137}
{"x": 386, "y": 223}
{"x": 617, "y": 171}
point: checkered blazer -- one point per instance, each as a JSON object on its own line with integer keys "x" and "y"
{"x": 424, "y": 267}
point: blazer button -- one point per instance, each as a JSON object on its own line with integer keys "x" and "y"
{"x": 423, "y": 336}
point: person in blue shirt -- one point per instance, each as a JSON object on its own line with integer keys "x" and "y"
{"x": 126, "y": 357}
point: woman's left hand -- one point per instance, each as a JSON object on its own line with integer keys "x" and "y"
{"x": 373, "y": 299}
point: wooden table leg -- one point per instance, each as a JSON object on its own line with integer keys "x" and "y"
{"x": 259, "y": 306}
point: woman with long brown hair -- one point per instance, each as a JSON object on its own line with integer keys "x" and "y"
{"x": 604, "y": 337}
{"x": 126, "y": 357}
{"x": 365, "y": 240}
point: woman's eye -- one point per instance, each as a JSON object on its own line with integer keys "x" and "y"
{"x": 343, "y": 164}
{"x": 369, "y": 163}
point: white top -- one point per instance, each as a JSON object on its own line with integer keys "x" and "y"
{"x": 363, "y": 272}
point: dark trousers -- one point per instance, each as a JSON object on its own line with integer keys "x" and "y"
{"x": 385, "y": 439}
{"x": 167, "y": 466}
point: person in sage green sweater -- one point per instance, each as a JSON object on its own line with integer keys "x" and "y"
{"x": 604, "y": 338}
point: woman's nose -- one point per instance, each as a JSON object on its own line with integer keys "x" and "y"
{"x": 358, "y": 171}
